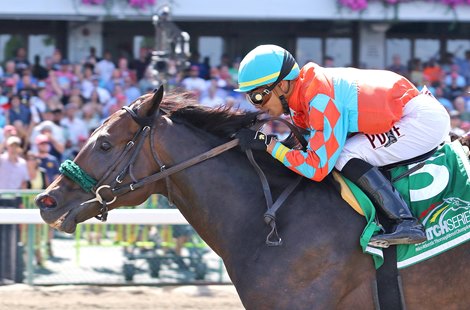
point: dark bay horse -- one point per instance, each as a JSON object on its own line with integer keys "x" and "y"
{"x": 320, "y": 264}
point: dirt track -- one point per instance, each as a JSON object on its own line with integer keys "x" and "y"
{"x": 22, "y": 297}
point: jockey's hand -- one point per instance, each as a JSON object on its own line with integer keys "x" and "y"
{"x": 251, "y": 139}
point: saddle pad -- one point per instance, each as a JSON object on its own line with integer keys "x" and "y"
{"x": 439, "y": 195}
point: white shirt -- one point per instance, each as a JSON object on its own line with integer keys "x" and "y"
{"x": 75, "y": 129}
{"x": 194, "y": 83}
{"x": 17, "y": 172}
{"x": 104, "y": 68}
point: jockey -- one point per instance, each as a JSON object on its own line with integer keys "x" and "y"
{"x": 357, "y": 120}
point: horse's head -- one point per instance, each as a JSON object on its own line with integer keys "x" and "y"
{"x": 117, "y": 153}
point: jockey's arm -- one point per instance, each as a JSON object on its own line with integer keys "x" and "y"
{"x": 309, "y": 163}
{"x": 323, "y": 149}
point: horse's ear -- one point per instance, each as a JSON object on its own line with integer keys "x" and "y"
{"x": 151, "y": 106}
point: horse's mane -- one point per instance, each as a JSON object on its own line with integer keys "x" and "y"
{"x": 223, "y": 121}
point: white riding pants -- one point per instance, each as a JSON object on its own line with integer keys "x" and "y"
{"x": 424, "y": 125}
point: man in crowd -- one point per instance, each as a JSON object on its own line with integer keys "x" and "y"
{"x": 13, "y": 168}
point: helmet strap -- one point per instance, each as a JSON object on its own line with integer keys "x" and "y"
{"x": 282, "y": 98}
{"x": 285, "y": 105}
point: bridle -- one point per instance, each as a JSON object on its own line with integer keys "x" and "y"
{"x": 134, "y": 146}
{"x": 116, "y": 188}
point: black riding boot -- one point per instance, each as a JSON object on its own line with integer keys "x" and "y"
{"x": 408, "y": 230}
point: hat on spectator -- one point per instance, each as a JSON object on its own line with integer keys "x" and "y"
{"x": 10, "y": 129}
{"x": 13, "y": 140}
{"x": 45, "y": 125}
{"x": 65, "y": 62}
{"x": 41, "y": 139}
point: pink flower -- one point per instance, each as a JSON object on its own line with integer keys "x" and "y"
{"x": 140, "y": 4}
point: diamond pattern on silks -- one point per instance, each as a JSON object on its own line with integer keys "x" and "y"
{"x": 326, "y": 132}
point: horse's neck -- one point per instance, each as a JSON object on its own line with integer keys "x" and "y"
{"x": 219, "y": 197}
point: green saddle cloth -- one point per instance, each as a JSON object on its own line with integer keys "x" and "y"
{"x": 438, "y": 194}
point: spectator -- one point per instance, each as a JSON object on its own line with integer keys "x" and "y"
{"x": 105, "y": 67}
{"x": 19, "y": 112}
{"x": 459, "y": 105}
{"x": 27, "y": 81}
{"x": 141, "y": 64}
{"x": 456, "y": 123}
{"x": 116, "y": 80}
{"x": 10, "y": 76}
{"x": 48, "y": 162}
{"x": 131, "y": 91}
{"x": 439, "y": 94}
{"x": 125, "y": 71}
{"x": 21, "y": 60}
{"x": 464, "y": 66}
{"x": 13, "y": 166}
{"x": 38, "y": 103}
{"x": 55, "y": 136}
{"x": 103, "y": 94}
{"x": 8, "y": 131}
{"x": 216, "y": 79}
{"x": 397, "y": 66}
{"x": 416, "y": 73}
{"x": 432, "y": 71}
{"x": 37, "y": 175}
{"x": 91, "y": 116}
{"x": 56, "y": 59}
{"x": 86, "y": 84}
{"x": 74, "y": 126}
{"x": 39, "y": 72}
{"x": 193, "y": 82}
{"x": 92, "y": 59}
{"x": 454, "y": 78}
{"x": 63, "y": 81}
{"x": 212, "y": 100}
{"x": 146, "y": 84}
{"x": 119, "y": 102}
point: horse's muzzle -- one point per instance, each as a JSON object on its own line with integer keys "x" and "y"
{"x": 45, "y": 202}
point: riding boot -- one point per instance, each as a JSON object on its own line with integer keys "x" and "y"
{"x": 408, "y": 230}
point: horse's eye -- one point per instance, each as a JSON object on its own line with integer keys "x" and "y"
{"x": 105, "y": 146}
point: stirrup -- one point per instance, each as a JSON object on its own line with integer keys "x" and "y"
{"x": 379, "y": 244}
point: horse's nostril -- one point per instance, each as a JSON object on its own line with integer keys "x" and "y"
{"x": 44, "y": 201}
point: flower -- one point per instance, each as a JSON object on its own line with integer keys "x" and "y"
{"x": 361, "y": 5}
{"x": 138, "y": 4}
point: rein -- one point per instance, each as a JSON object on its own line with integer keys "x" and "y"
{"x": 71, "y": 170}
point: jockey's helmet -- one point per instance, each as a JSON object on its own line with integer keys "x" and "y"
{"x": 264, "y": 65}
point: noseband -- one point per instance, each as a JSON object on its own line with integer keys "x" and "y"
{"x": 116, "y": 188}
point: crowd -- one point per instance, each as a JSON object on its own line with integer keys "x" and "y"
{"x": 49, "y": 108}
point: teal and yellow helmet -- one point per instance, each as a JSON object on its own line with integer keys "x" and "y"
{"x": 266, "y": 64}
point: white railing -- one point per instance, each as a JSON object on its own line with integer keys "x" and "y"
{"x": 118, "y": 216}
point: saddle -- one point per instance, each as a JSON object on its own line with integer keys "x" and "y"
{"x": 437, "y": 189}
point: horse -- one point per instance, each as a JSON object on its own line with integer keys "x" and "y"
{"x": 318, "y": 266}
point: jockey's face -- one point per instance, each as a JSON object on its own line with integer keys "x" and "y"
{"x": 273, "y": 105}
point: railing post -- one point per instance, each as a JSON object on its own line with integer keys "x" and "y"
{"x": 30, "y": 254}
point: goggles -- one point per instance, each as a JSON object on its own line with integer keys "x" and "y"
{"x": 258, "y": 98}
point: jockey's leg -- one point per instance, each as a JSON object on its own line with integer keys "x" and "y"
{"x": 424, "y": 125}
{"x": 408, "y": 230}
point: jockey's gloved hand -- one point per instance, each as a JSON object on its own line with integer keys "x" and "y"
{"x": 252, "y": 139}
